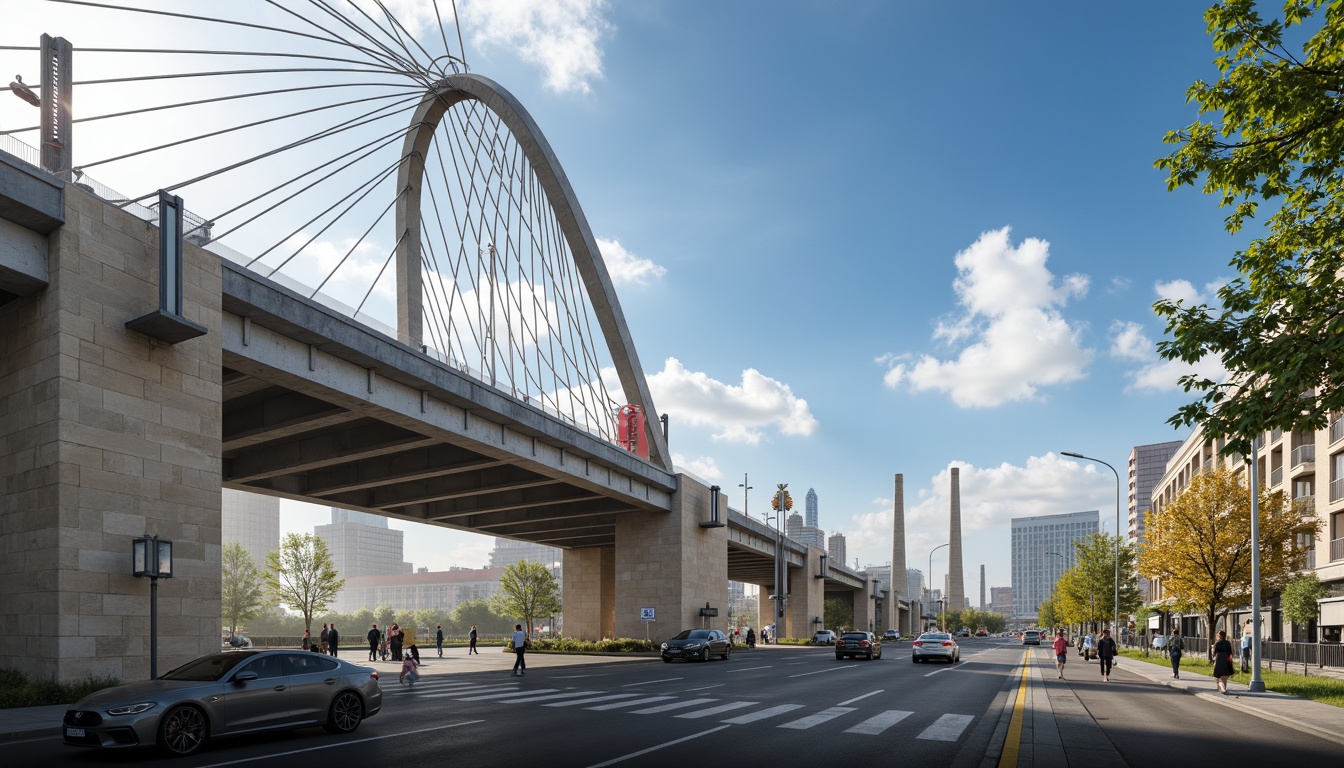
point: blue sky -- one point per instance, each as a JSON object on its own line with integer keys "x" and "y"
{"x": 862, "y": 238}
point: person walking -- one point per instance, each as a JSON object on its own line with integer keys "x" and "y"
{"x": 1174, "y": 648}
{"x": 334, "y": 641}
{"x": 471, "y": 638}
{"x": 1061, "y": 648}
{"x": 394, "y": 640}
{"x": 1222, "y": 661}
{"x": 519, "y": 650}
{"x": 1246, "y": 647}
{"x": 751, "y": 637}
{"x": 374, "y": 637}
{"x": 1106, "y": 653}
{"x": 326, "y": 633}
{"x": 307, "y": 640}
{"x": 438, "y": 639}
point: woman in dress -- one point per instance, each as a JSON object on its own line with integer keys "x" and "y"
{"x": 1222, "y": 661}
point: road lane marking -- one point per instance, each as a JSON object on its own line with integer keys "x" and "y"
{"x": 636, "y": 702}
{"x": 654, "y": 682}
{"x": 803, "y": 723}
{"x": 623, "y": 758}
{"x": 729, "y": 707}
{"x": 763, "y": 714}
{"x": 946, "y": 728}
{"x": 673, "y": 705}
{"x": 1013, "y": 742}
{"x": 593, "y": 700}
{"x": 820, "y": 671}
{"x": 549, "y": 697}
{"x": 944, "y": 669}
{"x": 749, "y": 669}
{"x": 342, "y": 744}
{"x": 467, "y": 690}
{"x": 489, "y": 696}
{"x": 879, "y": 723}
{"x": 857, "y": 698}
{"x": 707, "y": 687}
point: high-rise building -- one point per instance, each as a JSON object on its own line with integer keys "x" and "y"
{"x": 433, "y": 590}
{"x": 812, "y": 537}
{"x": 914, "y": 583}
{"x": 1147, "y": 464}
{"x": 362, "y": 544}
{"x": 252, "y": 520}
{"x": 835, "y": 548}
{"x": 793, "y": 527}
{"x": 1001, "y": 600}
{"x": 509, "y": 551}
{"x": 810, "y": 507}
{"x": 1042, "y": 549}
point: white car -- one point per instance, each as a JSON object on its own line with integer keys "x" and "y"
{"x": 824, "y": 637}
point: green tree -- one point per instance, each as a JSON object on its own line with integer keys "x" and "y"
{"x": 1199, "y": 544}
{"x": 1271, "y": 132}
{"x": 384, "y": 616}
{"x": 1088, "y": 588}
{"x": 1047, "y": 615}
{"x": 837, "y": 613}
{"x": 242, "y": 587}
{"x": 526, "y": 590}
{"x": 479, "y": 614}
{"x": 300, "y": 575}
{"x": 1299, "y": 598}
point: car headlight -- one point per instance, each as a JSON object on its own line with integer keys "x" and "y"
{"x": 664, "y": 646}
{"x": 131, "y": 709}
{"x": 692, "y": 646}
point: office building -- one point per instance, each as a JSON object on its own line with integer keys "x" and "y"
{"x": 252, "y": 520}
{"x": 1147, "y": 465}
{"x": 433, "y": 590}
{"x": 1001, "y": 600}
{"x": 914, "y": 583}
{"x": 1042, "y": 549}
{"x": 810, "y": 509}
{"x": 509, "y": 551}
{"x": 362, "y": 544}
{"x": 835, "y": 548}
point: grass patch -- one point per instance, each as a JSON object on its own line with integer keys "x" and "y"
{"x": 16, "y": 690}
{"x": 1326, "y": 690}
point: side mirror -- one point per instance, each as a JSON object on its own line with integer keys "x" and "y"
{"x": 243, "y": 677}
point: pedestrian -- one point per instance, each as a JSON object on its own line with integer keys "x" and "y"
{"x": 471, "y": 638}
{"x": 409, "y": 675}
{"x": 765, "y": 636}
{"x": 751, "y": 637}
{"x": 1174, "y": 648}
{"x": 334, "y": 641}
{"x": 1061, "y": 647}
{"x": 1106, "y": 653}
{"x": 519, "y": 650}
{"x": 307, "y": 640}
{"x": 374, "y": 637}
{"x": 326, "y": 633}
{"x": 1246, "y": 647}
{"x": 438, "y": 640}
{"x": 1222, "y": 661}
{"x": 394, "y": 640}
{"x": 414, "y": 653}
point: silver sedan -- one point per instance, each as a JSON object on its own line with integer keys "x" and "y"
{"x": 935, "y": 645}
{"x": 226, "y": 694}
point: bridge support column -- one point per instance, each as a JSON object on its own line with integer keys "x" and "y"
{"x": 107, "y": 435}
{"x": 890, "y": 611}
{"x": 589, "y": 593}
{"x": 668, "y": 562}
{"x": 807, "y": 598}
{"x": 864, "y": 610}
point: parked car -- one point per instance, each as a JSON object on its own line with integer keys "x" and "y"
{"x": 1031, "y": 637}
{"x": 863, "y": 644}
{"x": 935, "y": 645}
{"x": 223, "y": 694}
{"x": 697, "y": 644}
{"x": 824, "y": 637}
{"x": 891, "y": 636}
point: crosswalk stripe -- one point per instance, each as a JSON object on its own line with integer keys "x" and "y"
{"x": 551, "y": 697}
{"x": 879, "y": 723}
{"x": 594, "y": 700}
{"x": 830, "y": 713}
{"x": 636, "y": 702}
{"x": 729, "y": 707}
{"x": 672, "y": 706}
{"x": 946, "y": 728}
{"x": 460, "y": 692}
{"x": 507, "y": 694}
{"x": 763, "y": 714}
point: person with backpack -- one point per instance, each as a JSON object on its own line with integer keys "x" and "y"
{"x": 1106, "y": 653}
{"x": 1174, "y": 648}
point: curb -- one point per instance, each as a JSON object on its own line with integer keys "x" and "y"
{"x": 31, "y": 733}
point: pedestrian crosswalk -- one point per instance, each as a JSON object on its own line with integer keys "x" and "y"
{"x": 856, "y": 720}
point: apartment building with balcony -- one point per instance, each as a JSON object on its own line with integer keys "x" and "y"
{"x": 1294, "y": 463}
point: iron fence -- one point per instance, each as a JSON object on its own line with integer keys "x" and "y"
{"x": 1290, "y": 657}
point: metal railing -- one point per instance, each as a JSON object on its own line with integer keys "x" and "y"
{"x": 1276, "y": 476}
{"x": 1336, "y": 429}
{"x": 1310, "y": 564}
{"x": 1291, "y": 657}
{"x": 1303, "y": 454}
{"x": 1336, "y": 550}
{"x": 1336, "y": 490}
{"x": 1275, "y": 434}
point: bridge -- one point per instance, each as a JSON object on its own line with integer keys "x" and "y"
{"x": 125, "y": 408}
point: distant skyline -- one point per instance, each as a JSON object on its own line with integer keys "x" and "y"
{"x": 849, "y": 241}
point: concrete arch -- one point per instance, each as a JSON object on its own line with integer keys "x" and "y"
{"x": 410, "y": 283}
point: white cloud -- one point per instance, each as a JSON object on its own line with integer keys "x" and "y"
{"x": 562, "y": 36}
{"x": 625, "y": 267}
{"x": 1184, "y": 292}
{"x": 1010, "y": 314}
{"x": 703, "y": 467}
{"x": 416, "y": 16}
{"x": 741, "y": 413}
{"x": 1164, "y": 375}
{"x": 1128, "y": 342}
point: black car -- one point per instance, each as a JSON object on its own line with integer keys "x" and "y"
{"x": 863, "y": 644}
{"x": 697, "y": 644}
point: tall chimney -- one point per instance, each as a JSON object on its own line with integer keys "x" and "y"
{"x": 956, "y": 580}
{"x": 899, "y": 587}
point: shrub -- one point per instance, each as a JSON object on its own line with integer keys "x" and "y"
{"x": 16, "y": 690}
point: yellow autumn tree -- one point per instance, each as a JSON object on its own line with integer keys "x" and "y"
{"x": 1199, "y": 545}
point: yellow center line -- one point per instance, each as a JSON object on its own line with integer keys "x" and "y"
{"x": 1011, "y": 745}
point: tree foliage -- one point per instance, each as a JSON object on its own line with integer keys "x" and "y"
{"x": 526, "y": 590}
{"x": 301, "y": 575}
{"x": 838, "y": 613}
{"x": 1271, "y": 131}
{"x": 1085, "y": 593}
{"x": 1199, "y": 545}
{"x": 243, "y": 590}
{"x": 1299, "y": 598}
{"x": 479, "y": 614}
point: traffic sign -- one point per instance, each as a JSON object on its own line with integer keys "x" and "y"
{"x": 646, "y": 614}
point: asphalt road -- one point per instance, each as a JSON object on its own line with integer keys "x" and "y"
{"x": 774, "y": 706}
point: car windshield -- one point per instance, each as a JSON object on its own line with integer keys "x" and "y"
{"x": 207, "y": 668}
{"x": 693, "y": 634}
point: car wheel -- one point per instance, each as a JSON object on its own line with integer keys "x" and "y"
{"x": 182, "y": 731}
{"x": 728, "y": 651}
{"x": 914, "y": 659}
{"x": 346, "y": 713}
{"x": 666, "y": 660}
{"x": 839, "y": 657}
{"x": 869, "y": 657}
{"x": 704, "y": 655}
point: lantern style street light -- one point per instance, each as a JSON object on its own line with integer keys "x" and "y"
{"x": 152, "y": 557}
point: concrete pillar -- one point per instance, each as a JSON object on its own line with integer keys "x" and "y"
{"x": 899, "y": 586}
{"x": 590, "y": 593}
{"x": 668, "y": 562}
{"x": 864, "y": 608}
{"x": 956, "y": 579}
{"x": 807, "y": 598}
{"x": 107, "y": 435}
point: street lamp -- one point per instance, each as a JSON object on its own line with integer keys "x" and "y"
{"x": 935, "y": 549}
{"x": 152, "y": 557}
{"x": 1115, "y": 627}
{"x": 746, "y": 490}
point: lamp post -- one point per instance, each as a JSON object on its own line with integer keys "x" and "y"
{"x": 152, "y": 557}
{"x": 1115, "y": 627}
{"x": 1256, "y": 685}
{"x": 746, "y": 490}
{"x": 935, "y": 549}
